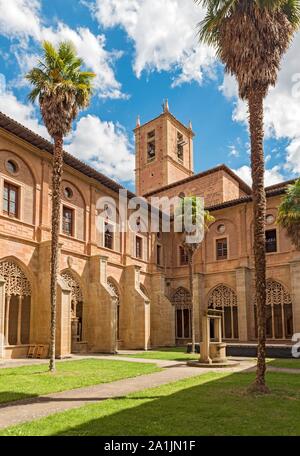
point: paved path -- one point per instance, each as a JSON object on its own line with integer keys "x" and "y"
{"x": 30, "y": 409}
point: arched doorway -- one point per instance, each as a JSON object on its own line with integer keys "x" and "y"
{"x": 279, "y": 312}
{"x": 76, "y": 309}
{"x": 183, "y": 315}
{"x": 17, "y": 304}
{"x": 113, "y": 287}
{"x": 224, "y": 299}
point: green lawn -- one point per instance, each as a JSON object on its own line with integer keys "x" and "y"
{"x": 31, "y": 381}
{"x": 211, "y": 404}
{"x": 285, "y": 363}
{"x": 169, "y": 354}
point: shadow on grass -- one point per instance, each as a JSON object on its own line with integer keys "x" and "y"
{"x": 10, "y": 398}
{"x": 197, "y": 406}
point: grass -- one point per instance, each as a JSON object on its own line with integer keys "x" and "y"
{"x": 32, "y": 381}
{"x": 210, "y": 404}
{"x": 168, "y": 354}
{"x": 285, "y": 363}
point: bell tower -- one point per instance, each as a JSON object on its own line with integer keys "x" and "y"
{"x": 164, "y": 152}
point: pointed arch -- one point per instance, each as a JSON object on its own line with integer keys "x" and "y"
{"x": 181, "y": 300}
{"x": 279, "y": 311}
{"x": 18, "y": 292}
{"x": 77, "y": 305}
{"x": 224, "y": 298}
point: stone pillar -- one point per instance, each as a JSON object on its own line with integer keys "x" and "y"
{"x": 243, "y": 290}
{"x": 63, "y": 320}
{"x": 19, "y": 320}
{"x": 162, "y": 314}
{"x": 136, "y": 332}
{"x": 2, "y": 317}
{"x": 204, "y": 346}
{"x": 6, "y": 330}
{"x": 200, "y": 306}
{"x": 101, "y": 309}
{"x": 295, "y": 292}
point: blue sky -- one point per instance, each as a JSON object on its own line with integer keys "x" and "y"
{"x": 144, "y": 51}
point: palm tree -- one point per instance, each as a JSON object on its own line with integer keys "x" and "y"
{"x": 250, "y": 38}
{"x": 289, "y": 213}
{"x": 62, "y": 89}
{"x": 200, "y": 218}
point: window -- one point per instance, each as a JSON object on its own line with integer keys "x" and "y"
{"x": 224, "y": 299}
{"x": 108, "y": 236}
{"x": 139, "y": 247}
{"x": 159, "y": 254}
{"x": 180, "y": 144}
{"x": 279, "y": 312}
{"x": 68, "y": 221}
{"x": 183, "y": 256}
{"x": 151, "y": 145}
{"x": 11, "y": 167}
{"x": 222, "y": 249}
{"x": 271, "y": 241}
{"x": 183, "y": 313}
{"x": 68, "y": 192}
{"x": 10, "y": 200}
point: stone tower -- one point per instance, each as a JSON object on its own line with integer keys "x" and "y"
{"x": 164, "y": 152}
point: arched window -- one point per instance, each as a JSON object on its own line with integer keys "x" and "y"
{"x": 224, "y": 299}
{"x": 17, "y": 304}
{"x": 76, "y": 306}
{"x": 116, "y": 293}
{"x": 279, "y": 312}
{"x": 183, "y": 313}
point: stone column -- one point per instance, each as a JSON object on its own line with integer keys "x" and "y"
{"x": 2, "y": 317}
{"x": 19, "y": 320}
{"x": 6, "y": 332}
{"x": 295, "y": 292}
{"x": 200, "y": 305}
{"x": 243, "y": 288}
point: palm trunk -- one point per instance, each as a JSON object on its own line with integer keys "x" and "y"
{"x": 259, "y": 214}
{"x": 56, "y": 203}
{"x": 192, "y": 298}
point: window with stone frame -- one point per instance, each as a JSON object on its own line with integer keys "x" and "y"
{"x": 151, "y": 146}
{"x": 183, "y": 256}
{"x": 11, "y": 200}
{"x": 271, "y": 241}
{"x": 224, "y": 299}
{"x": 222, "y": 249}
{"x": 68, "y": 221}
{"x": 108, "y": 236}
{"x": 139, "y": 247}
{"x": 279, "y": 312}
{"x": 183, "y": 313}
{"x": 180, "y": 144}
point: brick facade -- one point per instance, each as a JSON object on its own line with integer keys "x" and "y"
{"x": 141, "y": 302}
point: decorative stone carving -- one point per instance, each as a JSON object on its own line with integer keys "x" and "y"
{"x": 114, "y": 289}
{"x": 16, "y": 282}
{"x": 277, "y": 294}
{"x": 182, "y": 299}
{"x": 76, "y": 293}
{"x": 222, "y": 296}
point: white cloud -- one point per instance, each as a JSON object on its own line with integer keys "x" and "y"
{"x": 272, "y": 175}
{"x": 105, "y": 146}
{"x": 282, "y": 106}
{"x": 164, "y": 34}
{"x": 23, "y": 113}
{"x": 20, "y": 19}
